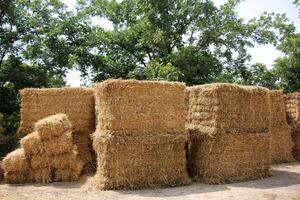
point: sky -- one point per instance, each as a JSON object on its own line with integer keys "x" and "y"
{"x": 247, "y": 9}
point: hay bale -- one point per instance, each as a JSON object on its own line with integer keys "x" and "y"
{"x": 292, "y": 105}
{"x": 59, "y": 145}
{"x": 43, "y": 175}
{"x": 15, "y": 161}
{"x": 126, "y": 162}
{"x": 67, "y": 174}
{"x": 228, "y": 108}
{"x": 229, "y": 130}
{"x": 32, "y": 144}
{"x": 227, "y": 158}
{"x": 140, "y": 106}
{"x": 140, "y": 139}
{"x": 17, "y": 177}
{"x": 53, "y": 126}
{"x": 281, "y": 144}
{"x": 76, "y": 103}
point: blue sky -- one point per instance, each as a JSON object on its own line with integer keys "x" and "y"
{"x": 248, "y": 9}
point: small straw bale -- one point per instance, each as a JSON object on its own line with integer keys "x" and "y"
{"x": 227, "y": 158}
{"x": 43, "y": 175}
{"x": 131, "y": 162}
{"x": 53, "y": 126}
{"x": 67, "y": 160}
{"x": 228, "y": 108}
{"x": 59, "y": 145}
{"x": 140, "y": 106}
{"x": 16, "y": 161}
{"x": 292, "y": 105}
{"x": 281, "y": 144}
{"x": 67, "y": 174}
{"x": 32, "y": 144}
{"x": 18, "y": 177}
{"x": 229, "y": 132}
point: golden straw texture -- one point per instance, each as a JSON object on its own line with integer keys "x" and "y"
{"x": 229, "y": 132}
{"x": 228, "y": 108}
{"x": 281, "y": 144}
{"x": 140, "y": 139}
{"x": 227, "y": 158}
{"x": 292, "y": 105}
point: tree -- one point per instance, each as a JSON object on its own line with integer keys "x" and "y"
{"x": 200, "y": 40}
{"x": 287, "y": 68}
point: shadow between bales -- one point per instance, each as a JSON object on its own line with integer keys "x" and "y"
{"x": 280, "y": 178}
{"x": 194, "y": 188}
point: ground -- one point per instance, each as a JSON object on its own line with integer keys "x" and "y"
{"x": 284, "y": 184}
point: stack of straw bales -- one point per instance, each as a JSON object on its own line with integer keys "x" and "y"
{"x": 76, "y": 103}
{"x": 140, "y": 139}
{"x": 281, "y": 144}
{"x": 292, "y": 103}
{"x": 47, "y": 155}
{"x": 229, "y": 127}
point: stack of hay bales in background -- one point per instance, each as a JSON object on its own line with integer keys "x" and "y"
{"x": 292, "y": 104}
{"x": 16, "y": 167}
{"x": 228, "y": 127}
{"x": 47, "y": 155}
{"x": 140, "y": 139}
{"x": 281, "y": 144}
{"x": 77, "y": 103}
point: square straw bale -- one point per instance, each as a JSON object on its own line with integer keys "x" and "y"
{"x": 67, "y": 174}
{"x": 59, "y": 145}
{"x": 227, "y": 158}
{"x": 292, "y": 105}
{"x": 15, "y": 177}
{"x": 141, "y": 106}
{"x": 32, "y": 144}
{"x": 53, "y": 126}
{"x": 43, "y": 175}
{"x": 16, "y": 161}
{"x": 281, "y": 144}
{"x": 133, "y": 162}
{"x": 76, "y": 103}
{"x": 228, "y": 108}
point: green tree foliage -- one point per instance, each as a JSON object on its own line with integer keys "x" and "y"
{"x": 287, "y": 68}
{"x": 203, "y": 42}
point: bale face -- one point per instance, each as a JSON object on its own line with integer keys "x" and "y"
{"x": 227, "y": 158}
{"x": 53, "y": 126}
{"x": 228, "y": 108}
{"x": 17, "y": 177}
{"x": 32, "y": 144}
{"x": 140, "y": 106}
{"x": 59, "y": 145}
{"x": 281, "y": 144}
{"x": 140, "y": 162}
{"x": 77, "y": 103}
{"x": 15, "y": 161}
{"x": 292, "y": 105}
{"x": 44, "y": 175}
{"x": 66, "y": 174}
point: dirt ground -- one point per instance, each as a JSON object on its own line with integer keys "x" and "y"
{"x": 284, "y": 184}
